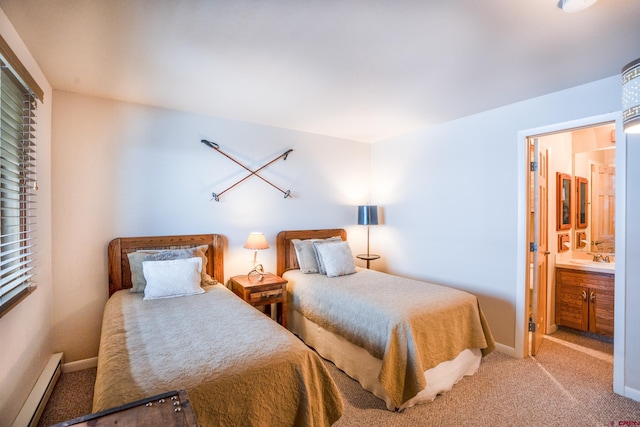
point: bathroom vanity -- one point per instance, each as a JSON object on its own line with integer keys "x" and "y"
{"x": 585, "y": 298}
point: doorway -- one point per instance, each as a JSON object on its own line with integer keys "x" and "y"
{"x": 571, "y": 212}
{"x": 523, "y": 268}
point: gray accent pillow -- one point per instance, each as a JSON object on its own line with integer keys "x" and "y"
{"x": 138, "y": 281}
{"x": 336, "y": 258}
{"x": 306, "y": 253}
{"x": 316, "y": 244}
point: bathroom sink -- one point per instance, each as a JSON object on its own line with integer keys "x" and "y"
{"x": 587, "y": 262}
{"x": 584, "y": 261}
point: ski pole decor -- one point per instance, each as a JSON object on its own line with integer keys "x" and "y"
{"x": 283, "y": 156}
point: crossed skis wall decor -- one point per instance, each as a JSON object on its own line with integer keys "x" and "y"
{"x": 283, "y": 156}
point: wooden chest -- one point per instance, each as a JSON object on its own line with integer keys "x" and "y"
{"x": 168, "y": 409}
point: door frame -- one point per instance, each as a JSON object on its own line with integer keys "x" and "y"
{"x": 522, "y": 319}
{"x": 538, "y": 228}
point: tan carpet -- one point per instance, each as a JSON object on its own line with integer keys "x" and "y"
{"x": 567, "y": 384}
{"x": 561, "y": 387}
{"x": 72, "y": 397}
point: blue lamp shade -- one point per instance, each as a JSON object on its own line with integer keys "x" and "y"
{"x": 367, "y": 215}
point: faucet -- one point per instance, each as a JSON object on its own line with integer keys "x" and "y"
{"x": 598, "y": 257}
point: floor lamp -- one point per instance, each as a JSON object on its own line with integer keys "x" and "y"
{"x": 368, "y": 215}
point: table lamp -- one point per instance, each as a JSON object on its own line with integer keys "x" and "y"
{"x": 256, "y": 242}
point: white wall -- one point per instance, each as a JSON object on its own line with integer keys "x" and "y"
{"x": 632, "y": 324}
{"x": 25, "y": 331}
{"x": 450, "y": 194}
{"x": 128, "y": 170}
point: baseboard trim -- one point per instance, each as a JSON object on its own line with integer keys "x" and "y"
{"x": 79, "y": 365}
{"x": 509, "y": 351}
{"x": 34, "y": 405}
{"x": 632, "y": 393}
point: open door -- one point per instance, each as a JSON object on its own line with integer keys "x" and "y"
{"x": 538, "y": 238}
{"x": 603, "y": 200}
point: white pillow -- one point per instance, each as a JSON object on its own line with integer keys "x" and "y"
{"x": 306, "y": 254}
{"x": 336, "y": 258}
{"x": 196, "y": 251}
{"x": 172, "y": 278}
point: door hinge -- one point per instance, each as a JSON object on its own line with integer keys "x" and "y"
{"x": 533, "y": 246}
{"x": 533, "y": 166}
{"x": 532, "y": 327}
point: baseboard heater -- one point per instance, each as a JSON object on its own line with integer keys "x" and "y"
{"x": 34, "y": 406}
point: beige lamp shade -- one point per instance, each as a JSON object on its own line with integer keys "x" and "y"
{"x": 256, "y": 241}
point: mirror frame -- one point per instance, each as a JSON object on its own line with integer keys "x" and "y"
{"x": 582, "y": 202}
{"x": 563, "y": 201}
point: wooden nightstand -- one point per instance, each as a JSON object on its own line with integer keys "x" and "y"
{"x": 271, "y": 290}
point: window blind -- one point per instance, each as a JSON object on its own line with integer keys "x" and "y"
{"x": 17, "y": 187}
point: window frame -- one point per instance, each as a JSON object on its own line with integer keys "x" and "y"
{"x": 19, "y": 95}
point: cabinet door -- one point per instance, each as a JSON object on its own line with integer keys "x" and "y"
{"x": 601, "y": 311}
{"x": 572, "y": 308}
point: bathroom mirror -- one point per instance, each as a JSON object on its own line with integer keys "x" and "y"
{"x": 582, "y": 202}
{"x": 563, "y": 201}
{"x": 594, "y": 166}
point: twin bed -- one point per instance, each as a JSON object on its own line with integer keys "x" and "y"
{"x": 406, "y": 341}
{"x": 238, "y": 367}
{"x": 403, "y": 340}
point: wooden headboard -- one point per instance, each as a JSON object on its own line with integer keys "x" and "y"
{"x": 286, "y": 257}
{"x": 120, "y": 275}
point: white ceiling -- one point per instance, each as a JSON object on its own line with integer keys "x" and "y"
{"x": 364, "y": 70}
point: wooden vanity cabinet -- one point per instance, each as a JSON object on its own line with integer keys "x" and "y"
{"x": 585, "y": 300}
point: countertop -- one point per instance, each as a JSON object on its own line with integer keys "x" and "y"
{"x": 587, "y": 265}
